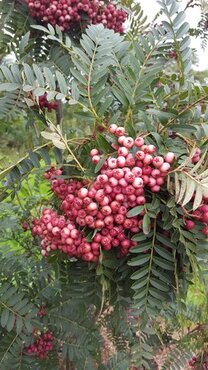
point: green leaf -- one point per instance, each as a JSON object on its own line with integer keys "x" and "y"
{"x": 50, "y": 80}
{"x": 183, "y": 30}
{"x": 146, "y": 224}
{"x": 62, "y": 83}
{"x": 100, "y": 164}
{"x": 181, "y": 16}
{"x": 40, "y": 28}
{"x": 103, "y": 144}
{"x": 163, "y": 264}
{"x": 19, "y": 325}
{"x": 139, "y": 260}
{"x": 164, "y": 253}
{"x": 139, "y": 237}
{"x": 159, "y": 284}
{"x": 135, "y": 211}
{"x": 4, "y": 317}
{"x": 24, "y": 42}
{"x": 140, "y": 273}
{"x": 9, "y": 86}
{"x": 10, "y": 322}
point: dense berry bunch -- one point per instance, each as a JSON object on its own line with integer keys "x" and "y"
{"x": 42, "y": 346}
{"x": 201, "y": 214}
{"x": 66, "y": 13}
{"x": 103, "y": 204}
{"x": 45, "y": 104}
{"x": 198, "y": 363}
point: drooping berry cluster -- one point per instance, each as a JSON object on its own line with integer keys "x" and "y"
{"x": 200, "y": 214}
{"x": 42, "y": 346}
{"x": 66, "y": 13}
{"x": 199, "y": 363}
{"x": 45, "y": 104}
{"x": 58, "y": 232}
{"x": 103, "y": 204}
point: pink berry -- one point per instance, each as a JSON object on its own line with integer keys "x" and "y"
{"x": 113, "y": 128}
{"x": 139, "y": 141}
{"x": 128, "y": 142}
{"x": 138, "y": 182}
{"x": 169, "y": 157}
{"x": 94, "y": 152}
{"x": 158, "y": 161}
{"x": 205, "y": 230}
{"x": 121, "y": 161}
{"x": 96, "y": 159}
{"x": 165, "y": 167}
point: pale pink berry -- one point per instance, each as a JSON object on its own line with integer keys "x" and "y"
{"x": 102, "y": 179}
{"x": 94, "y": 152}
{"x": 195, "y": 159}
{"x": 122, "y": 182}
{"x": 139, "y": 141}
{"x": 112, "y": 162}
{"x": 159, "y": 181}
{"x": 123, "y": 151}
{"x": 151, "y": 149}
{"x": 152, "y": 181}
{"x": 55, "y": 230}
{"x": 128, "y": 142}
{"x": 96, "y": 159}
{"x": 92, "y": 206}
{"x": 129, "y": 177}
{"x": 147, "y": 159}
{"x": 140, "y": 155}
{"x": 169, "y": 157}
{"x": 138, "y": 182}
{"x": 82, "y": 193}
{"x": 155, "y": 173}
{"x": 158, "y": 161}
{"x": 113, "y": 181}
{"x": 121, "y": 139}
{"x": 155, "y": 189}
{"x": 120, "y": 131}
{"x": 137, "y": 171}
{"x": 140, "y": 200}
{"x": 165, "y": 167}
{"x": 121, "y": 161}
{"x": 130, "y": 161}
{"x": 113, "y": 128}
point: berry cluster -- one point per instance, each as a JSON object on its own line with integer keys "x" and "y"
{"x": 42, "y": 346}
{"x": 42, "y": 311}
{"x": 201, "y": 214}
{"x": 44, "y": 103}
{"x": 59, "y": 233}
{"x": 194, "y": 363}
{"x": 103, "y": 204}
{"x": 66, "y": 13}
